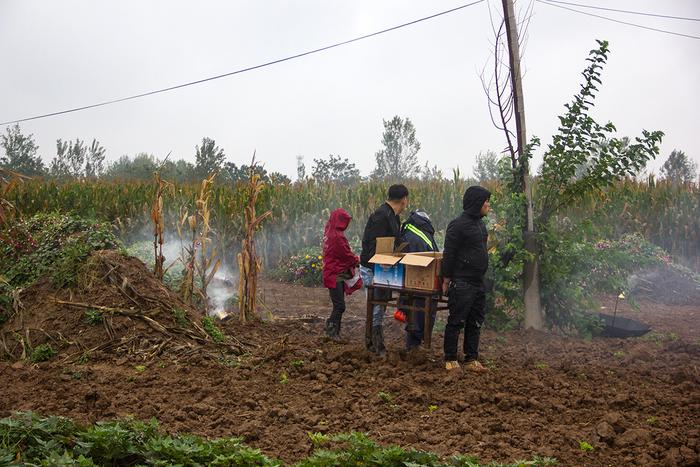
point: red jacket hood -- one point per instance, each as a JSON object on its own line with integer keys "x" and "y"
{"x": 339, "y": 220}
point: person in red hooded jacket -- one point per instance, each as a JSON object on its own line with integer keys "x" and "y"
{"x": 339, "y": 264}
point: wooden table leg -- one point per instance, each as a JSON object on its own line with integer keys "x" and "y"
{"x": 427, "y": 323}
{"x": 369, "y": 318}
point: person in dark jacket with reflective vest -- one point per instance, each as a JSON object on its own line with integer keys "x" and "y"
{"x": 464, "y": 264}
{"x": 384, "y": 222}
{"x": 418, "y": 232}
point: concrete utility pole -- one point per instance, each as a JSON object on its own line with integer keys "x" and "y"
{"x": 531, "y": 278}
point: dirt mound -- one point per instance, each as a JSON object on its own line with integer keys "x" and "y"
{"x": 117, "y": 308}
{"x": 667, "y": 286}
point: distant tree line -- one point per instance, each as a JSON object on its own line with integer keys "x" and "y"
{"x": 396, "y": 160}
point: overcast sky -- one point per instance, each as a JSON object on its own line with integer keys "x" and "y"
{"x": 62, "y": 54}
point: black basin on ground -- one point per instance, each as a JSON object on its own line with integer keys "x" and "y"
{"x": 622, "y": 327}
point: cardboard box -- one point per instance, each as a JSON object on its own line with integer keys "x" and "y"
{"x": 386, "y": 263}
{"x": 422, "y": 270}
{"x": 389, "y": 275}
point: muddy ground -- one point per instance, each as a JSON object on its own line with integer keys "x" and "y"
{"x": 636, "y": 401}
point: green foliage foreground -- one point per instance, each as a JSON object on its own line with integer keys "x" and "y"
{"x": 53, "y": 245}
{"x": 27, "y": 439}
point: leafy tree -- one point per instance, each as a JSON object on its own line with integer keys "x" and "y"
{"x": 69, "y": 159}
{"x": 335, "y": 169}
{"x": 278, "y": 178}
{"x": 398, "y": 158}
{"x": 301, "y": 168}
{"x": 179, "y": 171}
{"x": 231, "y": 173}
{"x": 486, "y": 167}
{"x": 75, "y": 159}
{"x": 20, "y": 153}
{"x": 584, "y": 167}
{"x": 209, "y": 158}
{"x": 678, "y": 168}
{"x": 428, "y": 173}
{"x": 583, "y": 158}
{"x": 580, "y": 142}
{"x": 583, "y": 142}
{"x": 94, "y": 162}
{"x": 141, "y": 167}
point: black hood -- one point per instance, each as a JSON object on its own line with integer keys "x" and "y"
{"x": 474, "y": 199}
{"x": 421, "y": 222}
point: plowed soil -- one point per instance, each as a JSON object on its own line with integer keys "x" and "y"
{"x": 636, "y": 401}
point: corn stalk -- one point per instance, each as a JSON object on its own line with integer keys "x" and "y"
{"x": 188, "y": 251}
{"x": 203, "y": 265}
{"x": 209, "y": 261}
{"x": 158, "y": 224}
{"x": 248, "y": 262}
{"x": 8, "y": 179}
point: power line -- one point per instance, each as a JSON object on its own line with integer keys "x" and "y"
{"x": 620, "y": 22}
{"x": 684, "y": 18}
{"x": 243, "y": 70}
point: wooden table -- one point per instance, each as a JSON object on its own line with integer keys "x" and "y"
{"x": 430, "y": 298}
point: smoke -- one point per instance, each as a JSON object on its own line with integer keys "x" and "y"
{"x": 222, "y": 289}
{"x": 220, "y": 292}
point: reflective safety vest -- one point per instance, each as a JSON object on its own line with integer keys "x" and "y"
{"x": 413, "y": 229}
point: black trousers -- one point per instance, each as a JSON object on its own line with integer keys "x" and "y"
{"x": 338, "y": 300}
{"x": 467, "y": 307}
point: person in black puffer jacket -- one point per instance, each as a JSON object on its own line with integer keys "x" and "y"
{"x": 464, "y": 264}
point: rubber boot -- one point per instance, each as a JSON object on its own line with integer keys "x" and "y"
{"x": 378, "y": 341}
{"x": 368, "y": 343}
{"x": 332, "y": 330}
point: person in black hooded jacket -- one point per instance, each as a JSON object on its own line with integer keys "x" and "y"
{"x": 464, "y": 264}
{"x": 418, "y": 233}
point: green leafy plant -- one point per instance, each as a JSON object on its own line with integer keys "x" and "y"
{"x": 213, "y": 330}
{"x": 60, "y": 441}
{"x": 284, "y": 379}
{"x": 180, "y": 317}
{"x": 432, "y": 408}
{"x": 318, "y": 439}
{"x": 5, "y": 300}
{"x": 386, "y": 397}
{"x": 41, "y": 353}
{"x": 358, "y": 449}
{"x": 585, "y": 447}
{"x": 659, "y": 338}
{"x": 53, "y": 245}
{"x": 652, "y": 420}
{"x": 297, "y": 364}
{"x": 140, "y": 368}
{"x": 229, "y": 362}
{"x": 84, "y": 358}
{"x": 93, "y": 317}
